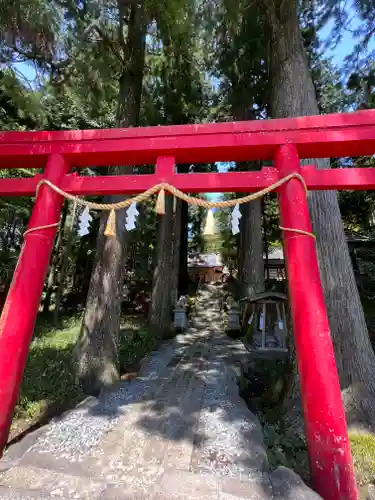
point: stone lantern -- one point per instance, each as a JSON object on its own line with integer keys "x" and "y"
{"x": 180, "y": 320}
{"x": 233, "y": 315}
{"x": 265, "y": 325}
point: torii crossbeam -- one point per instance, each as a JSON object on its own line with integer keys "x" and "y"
{"x": 285, "y": 142}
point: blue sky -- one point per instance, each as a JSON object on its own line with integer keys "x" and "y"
{"x": 27, "y": 70}
{"x": 339, "y": 52}
{"x": 345, "y": 46}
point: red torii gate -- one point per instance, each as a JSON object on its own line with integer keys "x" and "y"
{"x": 283, "y": 141}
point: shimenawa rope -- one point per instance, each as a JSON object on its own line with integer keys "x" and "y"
{"x": 160, "y": 203}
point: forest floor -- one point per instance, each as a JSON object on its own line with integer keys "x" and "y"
{"x": 49, "y": 386}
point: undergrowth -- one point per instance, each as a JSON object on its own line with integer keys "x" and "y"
{"x": 284, "y": 447}
{"x": 288, "y": 449}
{"x": 363, "y": 450}
{"x": 49, "y": 374}
{"x": 138, "y": 344}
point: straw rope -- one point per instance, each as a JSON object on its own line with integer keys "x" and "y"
{"x": 160, "y": 203}
{"x": 32, "y": 229}
{"x": 158, "y": 188}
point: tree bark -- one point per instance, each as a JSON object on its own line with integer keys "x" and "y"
{"x": 160, "y": 316}
{"x": 251, "y": 270}
{"x": 251, "y": 267}
{"x": 175, "y": 261}
{"x": 69, "y": 232}
{"x": 96, "y": 350}
{"x": 293, "y": 94}
{"x": 265, "y": 244}
{"x": 183, "y": 281}
{"x": 53, "y": 267}
{"x": 49, "y": 288}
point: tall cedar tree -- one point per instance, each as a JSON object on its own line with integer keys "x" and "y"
{"x": 293, "y": 94}
{"x": 96, "y": 350}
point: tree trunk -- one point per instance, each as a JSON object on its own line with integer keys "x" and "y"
{"x": 293, "y": 94}
{"x": 97, "y": 347}
{"x": 265, "y": 245}
{"x": 53, "y": 267}
{"x": 160, "y": 316}
{"x": 251, "y": 270}
{"x": 69, "y": 231}
{"x": 87, "y": 271}
{"x": 84, "y": 264}
{"x": 175, "y": 261}
{"x": 96, "y": 350}
{"x": 183, "y": 280}
{"x": 50, "y": 285}
{"x": 251, "y": 267}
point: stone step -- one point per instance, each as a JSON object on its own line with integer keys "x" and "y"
{"x": 128, "y": 432}
{"x": 182, "y": 485}
{"x": 51, "y": 483}
{"x": 39, "y": 484}
{"x": 147, "y": 438}
{"x": 26, "y": 494}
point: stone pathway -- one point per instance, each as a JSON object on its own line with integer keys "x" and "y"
{"x": 178, "y": 431}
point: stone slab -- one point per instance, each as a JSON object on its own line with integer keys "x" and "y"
{"x": 24, "y": 494}
{"x": 52, "y": 483}
{"x": 287, "y": 485}
{"x": 202, "y": 486}
{"x": 257, "y": 487}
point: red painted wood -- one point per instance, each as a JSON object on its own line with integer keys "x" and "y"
{"x": 346, "y": 178}
{"x": 328, "y": 122}
{"x": 338, "y": 135}
{"x": 339, "y": 178}
{"x": 325, "y": 425}
{"x": 126, "y": 184}
{"x": 21, "y": 306}
{"x": 19, "y": 187}
{"x": 313, "y": 137}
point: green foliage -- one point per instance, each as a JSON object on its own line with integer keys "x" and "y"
{"x": 28, "y": 29}
{"x": 286, "y": 448}
{"x": 49, "y": 374}
{"x": 137, "y": 343}
{"x": 239, "y": 60}
{"x": 176, "y": 84}
{"x": 357, "y": 207}
{"x": 20, "y": 107}
{"x": 331, "y": 93}
{"x": 363, "y": 451}
{"x": 68, "y": 108}
{"x": 142, "y": 243}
